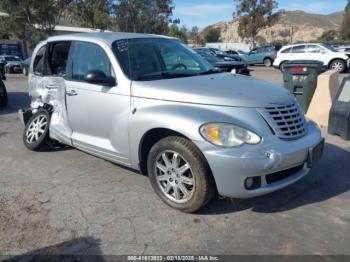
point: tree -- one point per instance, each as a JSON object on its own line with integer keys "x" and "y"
{"x": 211, "y": 34}
{"x": 143, "y": 16}
{"x": 195, "y": 37}
{"x": 175, "y": 31}
{"x": 345, "y": 27}
{"x": 31, "y": 20}
{"x": 329, "y": 36}
{"x": 92, "y": 13}
{"x": 255, "y": 15}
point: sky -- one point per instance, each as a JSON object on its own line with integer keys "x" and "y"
{"x": 205, "y": 12}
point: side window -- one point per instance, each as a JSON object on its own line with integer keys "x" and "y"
{"x": 260, "y": 50}
{"x": 58, "y": 55}
{"x": 39, "y": 62}
{"x": 286, "y": 51}
{"x": 298, "y": 49}
{"x": 254, "y": 51}
{"x": 314, "y": 49}
{"x": 88, "y": 56}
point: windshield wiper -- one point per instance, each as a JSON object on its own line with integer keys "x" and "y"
{"x": 211, "y": 71}
{"x": 163, "y": 75}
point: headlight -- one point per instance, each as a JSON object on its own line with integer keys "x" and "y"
{"x": 228, "y": 135}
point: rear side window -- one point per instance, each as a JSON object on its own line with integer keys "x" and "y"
{"x": 286, "y": 51}
{"x": 39, "y": 62}
{"x": 298, "y": 49}
{"x": 86, "y": 57}
{"x": 58, "y": 56}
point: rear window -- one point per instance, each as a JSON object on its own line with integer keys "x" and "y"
{"x": 299, "y": 49}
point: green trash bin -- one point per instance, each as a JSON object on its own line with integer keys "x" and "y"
{"x": 300, "y": 78}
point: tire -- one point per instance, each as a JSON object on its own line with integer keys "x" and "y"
{"x": 39, "y": 140}
{"x": 25, "y": 71}
{"x": 194, "y": 185}
{"x": 282, "y": 66}
{"x": 338, "y": 65}
{"x": 268, "y": 62}
{"x": 3, "y": 96}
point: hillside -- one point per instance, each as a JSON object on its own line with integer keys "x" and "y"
{"x": 296, "y": 25}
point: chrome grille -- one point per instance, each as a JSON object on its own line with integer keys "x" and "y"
{"x": 287, "y": 122}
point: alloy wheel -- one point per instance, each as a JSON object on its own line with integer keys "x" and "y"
{"x": 174, "y": 176}
{"x": 36, "y": 129}
{"x": 338, "y": 66}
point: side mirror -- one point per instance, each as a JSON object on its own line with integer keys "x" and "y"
{"x": 98, "y": 77}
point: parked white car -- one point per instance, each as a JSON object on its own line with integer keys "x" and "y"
{"x": 328, "y": 55}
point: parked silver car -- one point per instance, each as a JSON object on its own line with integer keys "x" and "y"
{"x": 150, "y": 103}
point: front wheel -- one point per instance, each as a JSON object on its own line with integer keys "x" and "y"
{"x": 180, "y": 175}
{"x": 36, "y": 132}
{"x": 338, "y": 65}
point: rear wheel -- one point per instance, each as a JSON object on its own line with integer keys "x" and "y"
{"x": 267, "y": 62}
{"x": 338, "y": 65}
{"x": 282, "y": 66}
{"x": 36, "y": 132}
{"x": 179, "y": 174}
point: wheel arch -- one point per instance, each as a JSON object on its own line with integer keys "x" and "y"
{"x": 151, "y": 137}
{"x": 154, "y": 135}
{"x": 334, "y": 59}
{"x": 268, "y": 57}
{"x": 283, "y": 61}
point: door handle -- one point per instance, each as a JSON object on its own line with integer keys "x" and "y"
{"x": 71, "y": 93}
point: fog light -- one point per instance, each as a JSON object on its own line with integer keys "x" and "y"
{"x": 252, "y": 183}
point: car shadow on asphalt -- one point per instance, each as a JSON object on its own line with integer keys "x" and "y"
{"x": 329, "y": 178}
{"x": 80, "y": 249}
{"x": 16, "y": 101}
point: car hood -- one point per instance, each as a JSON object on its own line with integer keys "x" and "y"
{"x": 222, "y": 89}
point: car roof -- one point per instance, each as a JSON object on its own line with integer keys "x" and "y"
{"x": 288, "y": 46}
{"x": 108, "y": 37}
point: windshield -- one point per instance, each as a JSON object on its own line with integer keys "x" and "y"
{"x": 210, "y": 58}
{"x": 158, "y": 58}
{"x": 329, "y": 47}
{"x": 11, "y": 58}
{"x": 242, "y": 52}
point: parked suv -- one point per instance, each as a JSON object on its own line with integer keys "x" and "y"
{"x": 328, "y": 55}
{"x": 152, "y": 104}
{"x": 261, "y": 55}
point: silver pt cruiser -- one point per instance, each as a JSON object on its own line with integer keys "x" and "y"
{"x": 151, "y": 103}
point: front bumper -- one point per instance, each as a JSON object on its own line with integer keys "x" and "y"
{"x": 231, "y": 167}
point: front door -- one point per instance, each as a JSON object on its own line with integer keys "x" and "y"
{"x": 97, "y": 114}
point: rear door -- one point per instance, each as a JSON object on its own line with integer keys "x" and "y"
{"x": 46, "y": 82}
{"x": 298, "y": 52}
